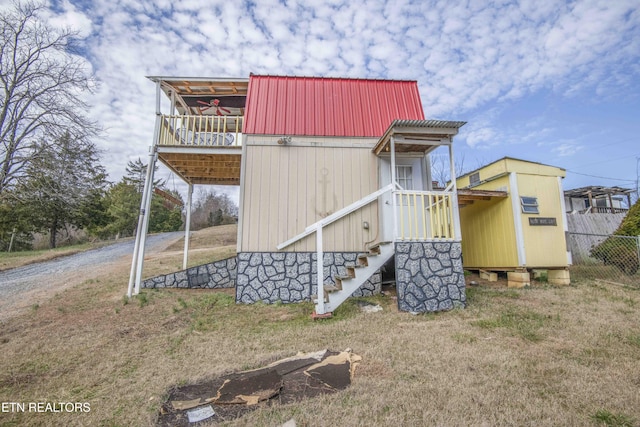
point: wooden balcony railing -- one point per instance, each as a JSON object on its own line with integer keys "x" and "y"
{"x": 212, "y": 131}
{"x": 604, "y": 210}
{"x": 425, "y": 215}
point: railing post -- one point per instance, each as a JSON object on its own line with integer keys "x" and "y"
{"x": 392, "y": 144}
{"x": 320, "y": 268}
{"x": 454, "y": 197}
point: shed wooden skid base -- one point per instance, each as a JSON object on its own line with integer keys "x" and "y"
{"x": 518, "y": 279}
{"x": 559, "y": 277}
{"x": 526, "y": 228}
{"x": 488, "y": 275}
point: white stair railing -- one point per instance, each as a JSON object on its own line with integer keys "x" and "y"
{"x": 317, "y": 228}
{"x": 336, "y": 216}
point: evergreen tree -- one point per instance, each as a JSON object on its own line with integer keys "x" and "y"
{"x": 60, "y": 183}
{"x": 137, "y": 175}
{"x": 15, "y": 227}
{"x": 123, "y": 205}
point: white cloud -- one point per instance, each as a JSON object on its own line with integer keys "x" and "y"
{"x": 69, "y": 17}
{"x": 481, "y": 136}
{"x": 566, "y": 149}
{"x": 465, "y": 56}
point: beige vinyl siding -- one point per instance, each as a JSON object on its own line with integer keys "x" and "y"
{"x": 287, "y": 188}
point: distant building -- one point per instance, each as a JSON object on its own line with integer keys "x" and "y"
{"x": 595, "y": 199}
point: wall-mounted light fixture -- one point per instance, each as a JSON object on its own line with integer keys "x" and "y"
{"x": 365, "y": 225}
{"x": 284, "y": 140}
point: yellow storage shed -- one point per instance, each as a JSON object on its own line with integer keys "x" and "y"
{"x": 524, "y": 230}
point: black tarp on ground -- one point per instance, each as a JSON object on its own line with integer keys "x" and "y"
{"x": 288, "y": 380}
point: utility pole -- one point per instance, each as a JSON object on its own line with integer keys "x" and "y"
{"x": 637, "y": 179}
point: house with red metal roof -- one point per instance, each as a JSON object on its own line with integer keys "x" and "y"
{"x": 335, "y": 188}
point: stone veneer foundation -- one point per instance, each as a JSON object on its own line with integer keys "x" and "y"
{"x": 429, "y": 276}
{"x": 219, "y": 274}
{"x": 291, "y": 276}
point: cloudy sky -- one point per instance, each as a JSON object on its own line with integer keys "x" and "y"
{"x": 551, "y": 81}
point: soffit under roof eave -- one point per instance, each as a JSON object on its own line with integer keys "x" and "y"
{"x": 200, "y": 86}
{"x": 198, "y": 80}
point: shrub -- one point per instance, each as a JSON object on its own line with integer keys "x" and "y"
{"x": 620, "y": 249}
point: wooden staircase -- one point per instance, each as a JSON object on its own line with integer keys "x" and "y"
{"x": 345, "y": 285}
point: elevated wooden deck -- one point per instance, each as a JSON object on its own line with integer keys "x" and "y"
{"x": 202, "y": 149}
{"x": 201, "y": 140}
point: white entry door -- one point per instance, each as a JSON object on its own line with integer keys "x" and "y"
{"x": 411, "y": 174}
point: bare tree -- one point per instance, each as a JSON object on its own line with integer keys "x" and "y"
{"x": 213, "y": 208}
{"x": 41, "y": 81}
{"x": 441, "y": 168}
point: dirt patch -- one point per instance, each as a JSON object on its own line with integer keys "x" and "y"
{"x": 303, "y": 376}
{"x": 221, "y": 235}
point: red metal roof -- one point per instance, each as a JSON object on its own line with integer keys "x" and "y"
{"x": 328, "y": 106}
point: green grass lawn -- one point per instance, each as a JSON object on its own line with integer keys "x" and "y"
{"x": 543, "y": 356}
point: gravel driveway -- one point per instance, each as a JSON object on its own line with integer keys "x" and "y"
{"x": 19, "y": 284}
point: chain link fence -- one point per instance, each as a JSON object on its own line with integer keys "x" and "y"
{"x": 605, "y": 257}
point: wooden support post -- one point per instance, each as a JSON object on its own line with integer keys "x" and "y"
{"x": 320, "y": 268}
{"x": 13, "y": 236}
{"x": 392, "y": 144}
{"x": 187, "y": 228}
{"x": 457, "y": 229}
{"x": 145, "y": 213}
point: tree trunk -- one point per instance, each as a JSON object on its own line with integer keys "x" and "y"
{"x": 53, "y": 231}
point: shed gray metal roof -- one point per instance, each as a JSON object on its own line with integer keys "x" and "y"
{"x": 428, "y": 123}
{"x": 418, "y": 135}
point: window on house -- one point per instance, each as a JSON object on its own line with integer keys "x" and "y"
{"x": 404, "y": 176}
{"x": 529, "y": 205}
{"x": 474, "y": 179}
